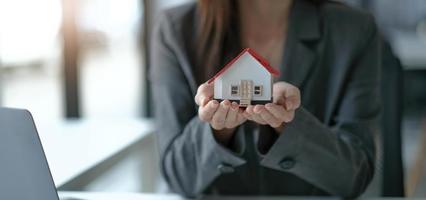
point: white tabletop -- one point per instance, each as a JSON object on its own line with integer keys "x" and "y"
{"x": 117, "y": 196}
{"x": 146, "y": 196}
{"x": 73, "y": 147}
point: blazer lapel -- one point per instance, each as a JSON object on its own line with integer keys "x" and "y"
{"x": 303, "y": 33}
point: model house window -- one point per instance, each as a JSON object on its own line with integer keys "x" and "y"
{"x": 235, "y": 90}
{"x": 258, "y": 90}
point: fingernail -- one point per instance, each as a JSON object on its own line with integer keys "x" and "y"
{"x": 226, "y": 103}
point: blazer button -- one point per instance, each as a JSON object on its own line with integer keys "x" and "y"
{"x": 225, "y": 168}
{"x": 287, "y": 163}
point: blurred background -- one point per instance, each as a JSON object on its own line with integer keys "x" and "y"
{"x": 80, "y": 67}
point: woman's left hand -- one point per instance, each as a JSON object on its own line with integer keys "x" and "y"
{"x": 286, "y": 99}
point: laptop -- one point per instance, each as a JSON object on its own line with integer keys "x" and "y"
{"x": 24, "y": 172}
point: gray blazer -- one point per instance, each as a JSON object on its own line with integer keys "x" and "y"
{"x": 332, "y": 55}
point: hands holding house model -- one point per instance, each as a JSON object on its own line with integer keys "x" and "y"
{"x": 225, "y": 116}
{"x": 246, "y": 82}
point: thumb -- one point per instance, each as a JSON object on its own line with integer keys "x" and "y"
{"x": 204, "y": 94}
{"x": 292, "y": 103}
{"x": 204, "y": 101}
{"x": 279, "y": 100}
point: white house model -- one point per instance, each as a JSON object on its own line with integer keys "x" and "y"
{"x": 247, "y": 80}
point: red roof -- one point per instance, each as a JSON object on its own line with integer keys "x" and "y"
{"x": 261, "y": 60}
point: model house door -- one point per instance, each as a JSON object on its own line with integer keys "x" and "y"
{"x": 246, "y": 92}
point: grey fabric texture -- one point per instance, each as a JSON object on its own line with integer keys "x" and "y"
{"x": 332, "y": 54}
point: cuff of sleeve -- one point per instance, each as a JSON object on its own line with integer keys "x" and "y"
{"x": 299, "y": 148}
{"x": 312, "y": 151}
{"x": 214, "y": 152}
{"x": 284, "y": 152}
{"x": 216, "y": 159}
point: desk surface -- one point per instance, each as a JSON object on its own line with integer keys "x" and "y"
{"x": 73, "y": 147}
{"x": 116, "y": 196}
{"x": 146, "y": 196}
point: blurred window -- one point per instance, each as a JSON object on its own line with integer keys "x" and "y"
{"x": 110, "y": 64}
{"x": 30, "y": 51}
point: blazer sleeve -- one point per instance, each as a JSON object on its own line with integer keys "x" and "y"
{"x": 339, "y": 157}
{"x": 190, "y": 156}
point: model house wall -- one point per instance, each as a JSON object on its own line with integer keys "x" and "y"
{"x": 245, "y": 68}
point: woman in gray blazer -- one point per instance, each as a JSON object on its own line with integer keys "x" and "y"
{"x": 316, "y": 138}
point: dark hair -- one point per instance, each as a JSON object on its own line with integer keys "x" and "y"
{"x": 215, "y": 19}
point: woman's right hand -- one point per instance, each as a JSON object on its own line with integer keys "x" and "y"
{"x": 223, "y": 117}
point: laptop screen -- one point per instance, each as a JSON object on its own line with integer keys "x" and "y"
{"x": 24, "y": 172}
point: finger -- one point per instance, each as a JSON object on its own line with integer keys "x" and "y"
{"x": 258, "y": 119}
{"x": 241, "y": 118}
{"x": 277, "y": 110}
{"x": 247, "y": 116}
{"x": 253, "y": 115}
{"x": 292, "y": 98}
{"x": 204, "y": 94}
{"x": 287, "y": 95}
{"x": 250, "y": 110}
{"x": 266, "y": 116}
{"x": 289, "y": 116}
{"x": 269, "y": 118}
{"x": 258, "y": 109}
{"x": 231, "y": 118}
{"x": 285, "y": 89}
{"x": 249, "y": 113}
{"x": 218, "y": 119}
{"x": 206, "y": 112}
{"x": 279, "y": 100}
{"x": 201, "y": 99}
{"x": 292, "y": 103}
{"x": 280, "y": 113}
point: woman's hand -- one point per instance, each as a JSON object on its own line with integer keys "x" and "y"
{"x": 286, "y": 99}
{"x": 223, "y": 117}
